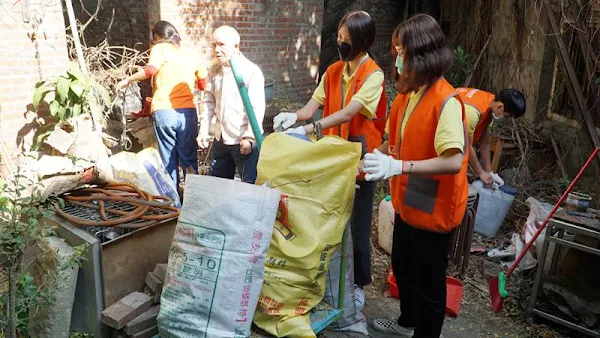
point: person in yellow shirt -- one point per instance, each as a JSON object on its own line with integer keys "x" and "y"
{"x": 173, "y": 109}
{"x": 426, "y": 158}
{"x": 354, "y": 107}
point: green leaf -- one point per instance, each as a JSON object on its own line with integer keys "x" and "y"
{"x": 76, "y": 110}
{"x": 40, "y": 139}
{"x": 41, "y": 89}
{"x": 62, "y": 89}
{"x": 77, "y": 88}
{"x": 62, "y": 112}
{"x": 82, "y": 78}
{"x": 598, "y": 81}
{"x": 54, "y": 107}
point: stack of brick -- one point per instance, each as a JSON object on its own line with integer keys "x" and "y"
{"x": 135, "y": 314}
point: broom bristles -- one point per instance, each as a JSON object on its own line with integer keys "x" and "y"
{"x": 496, "y": 298}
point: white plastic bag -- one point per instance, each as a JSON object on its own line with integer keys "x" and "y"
{"x": 146, "y": 171}
{"x": 528, "y": 261}
{"x": 216, "y": 260}
{"x": 538, "y": 211}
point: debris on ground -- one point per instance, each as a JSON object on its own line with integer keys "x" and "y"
{"x": 135, "y": 314}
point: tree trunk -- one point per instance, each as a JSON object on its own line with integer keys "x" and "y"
{"x": 12, "y": 298}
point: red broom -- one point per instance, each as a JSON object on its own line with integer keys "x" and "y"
{"x": 498, "y": 284}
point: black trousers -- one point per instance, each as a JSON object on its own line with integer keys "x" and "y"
{"x": 419, "y": 261}
{"x": 362, "y": 216}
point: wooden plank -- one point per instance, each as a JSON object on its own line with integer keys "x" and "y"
{"x": 559, "y": 158}
{"x": 589, "y": 56}
{"x": 573, "y": 85}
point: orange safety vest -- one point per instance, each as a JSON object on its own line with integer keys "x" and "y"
{"x": 433, "y": 203}
{"x": 369, "y": 132}
{"x": 480, "y": 100}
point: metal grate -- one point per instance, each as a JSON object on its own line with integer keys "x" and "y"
{"x": 105, "y": 234}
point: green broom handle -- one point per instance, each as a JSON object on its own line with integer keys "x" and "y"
{"x": 247, "y": 104}
{"x": 342, "y": 286}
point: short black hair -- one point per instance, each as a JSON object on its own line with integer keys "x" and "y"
{"x": 362, "y": 30}
{"x": 513, "y": 100}
{"x": 165, "y": 32}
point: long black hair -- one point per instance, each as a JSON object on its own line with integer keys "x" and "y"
{"x": 164, "y": 31}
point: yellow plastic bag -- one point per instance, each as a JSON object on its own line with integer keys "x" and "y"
{"x": 317, "y": 181}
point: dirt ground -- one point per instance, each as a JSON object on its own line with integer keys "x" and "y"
{"x": 476, "y": 319}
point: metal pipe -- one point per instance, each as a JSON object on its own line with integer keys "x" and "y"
{"x": 247, "y": 104}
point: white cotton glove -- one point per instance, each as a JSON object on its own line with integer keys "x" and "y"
{"x": 298, "y": 130}
{"x": 284, "y": 120}
{"x": 203, "y": 136}
{"x": 497, "y": 179}
{"x": 379, "y": 166}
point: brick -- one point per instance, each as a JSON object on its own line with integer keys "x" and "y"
{"x": 153, "y": 283}
{"x": 148, "y": 333}
{"x": 160, "y": 271}
{"x": 126, "y": 309}
{"x": 144, "y": 321}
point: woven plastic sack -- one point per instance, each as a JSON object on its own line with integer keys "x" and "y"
{"x": 145, "y": 170}
{"x": 317, "y": 184}
{"x": 352, "y": 320}
{"x": 216, "y": 260}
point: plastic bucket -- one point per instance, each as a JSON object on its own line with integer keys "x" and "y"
{"x": 454, "y": 293}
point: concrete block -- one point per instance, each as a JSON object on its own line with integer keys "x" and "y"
{"x": 144, "y": 321}
{"x": 153, "y": 283}
{"x": 147, "y": 333}
{"x": 126, "y": 309}
{"x": 54, "y": 320}
{"x": 160, "y": 271}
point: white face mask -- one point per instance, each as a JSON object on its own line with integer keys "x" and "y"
{"x": 497, "y": 117}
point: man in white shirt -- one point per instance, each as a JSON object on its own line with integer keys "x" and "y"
{"x": 234, "y": 145}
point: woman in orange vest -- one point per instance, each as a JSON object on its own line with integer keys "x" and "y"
{"x": 354, "y": 107}
{"x": 426, "y": 158}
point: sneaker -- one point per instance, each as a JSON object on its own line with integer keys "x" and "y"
{"x": 359, "y": 298}
{"x": 391, "y": 327}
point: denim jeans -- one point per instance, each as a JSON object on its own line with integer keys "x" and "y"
{"x": 176, "y": 131}
{"x": 226, "y": 158}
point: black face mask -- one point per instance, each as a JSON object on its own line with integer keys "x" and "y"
{"x": 346, "y": 51}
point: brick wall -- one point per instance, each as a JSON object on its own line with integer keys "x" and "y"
{"x": 283, "y": 36}
{"x": 19, "y": 69}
